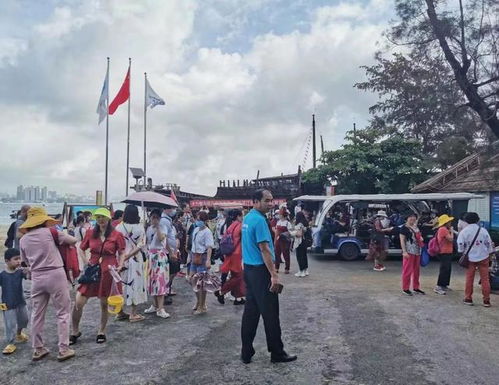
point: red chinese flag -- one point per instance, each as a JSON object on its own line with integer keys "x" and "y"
{"x": 122, "y": 95}
{"x": 173, "y": 196}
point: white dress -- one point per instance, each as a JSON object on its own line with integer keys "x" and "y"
{"x": 135, "y": 293}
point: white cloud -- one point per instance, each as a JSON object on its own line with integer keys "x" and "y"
{"x": 228, "y": 114}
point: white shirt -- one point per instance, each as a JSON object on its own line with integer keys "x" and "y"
{"x": 171, "y": 231}
{"x": 284, "y": 223}
{"x": 202, "y": 239}
{"x": 482, "y": 246}
{"x": 152, "y": 238}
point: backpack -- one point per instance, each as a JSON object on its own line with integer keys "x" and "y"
{"x": 433, "y": 247}
{"x": 227, "y": 244}
{"x": 69, "y": 256}
{"x": 308, "y": 240}
{"x": 11, "y": 235}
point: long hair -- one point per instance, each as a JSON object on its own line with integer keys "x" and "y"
{"x": 109, "y": 229}
{"x": 300, "y": 218}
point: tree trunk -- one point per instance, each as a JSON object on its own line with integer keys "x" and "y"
{"x": 475, "y": 101}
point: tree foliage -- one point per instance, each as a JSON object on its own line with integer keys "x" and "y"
{"x": 370, "y": 165}
{"x": 443, "y": 80}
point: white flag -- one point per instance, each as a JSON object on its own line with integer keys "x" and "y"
{"x": 152, "y": 98}
{"x": 104, "y": 98}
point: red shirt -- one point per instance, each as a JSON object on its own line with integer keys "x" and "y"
{"x": 446, "y": 246}
{"x": 233, "y": 262}
{"x": 113, "y": 245}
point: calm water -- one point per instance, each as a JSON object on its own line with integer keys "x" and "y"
{"x": 52, "y": 208}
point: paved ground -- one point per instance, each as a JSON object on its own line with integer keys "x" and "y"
{"x": 348, "y": 325}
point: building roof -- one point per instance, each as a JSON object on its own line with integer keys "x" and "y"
{"x": 476, "y": 173}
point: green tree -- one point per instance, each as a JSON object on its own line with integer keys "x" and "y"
{"x": 464, "y": 36}
{"x": 418, "y": 100}
{"x": 438, "y": 76}
{"x": 370, "y": 165}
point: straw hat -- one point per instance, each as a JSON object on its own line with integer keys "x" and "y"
{"x": 443, "y": 219}
{"x": 102, "y": 211}
{"x": 36, "y": 217}
{"x": 382, "y": 213}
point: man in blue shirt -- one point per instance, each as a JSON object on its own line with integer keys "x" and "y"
{"x": 262, "y": 282}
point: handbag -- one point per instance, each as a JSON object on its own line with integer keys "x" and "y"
{"x": 464, "y": 261}
{"x": 92, "y": 273}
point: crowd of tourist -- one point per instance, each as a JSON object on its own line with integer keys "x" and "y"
{"x": 120, "y": 255}
{"x": 117, "y": 252}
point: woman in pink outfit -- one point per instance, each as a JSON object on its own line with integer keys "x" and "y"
{"x": 49, "y": 281}
{"x": 411, "y": 243}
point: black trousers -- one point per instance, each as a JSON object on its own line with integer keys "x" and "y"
{"x": 301, "y": 257}
{"x": 260, "y": 301}
{"x": 445, "y": 269}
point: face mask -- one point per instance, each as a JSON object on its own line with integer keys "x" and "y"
{"x": 199, "y": 223}
{"x": 172, "y": 213}
{"x": 385, "y": 222}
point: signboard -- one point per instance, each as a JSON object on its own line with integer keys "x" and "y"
{"x": 494, "y": 210}
{"x": 198, "y": 203}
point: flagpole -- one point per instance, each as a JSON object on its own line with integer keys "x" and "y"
{"x": 107, "y": 135}
{"x": 145, "y": 128}
{"x": 128, "y": 132}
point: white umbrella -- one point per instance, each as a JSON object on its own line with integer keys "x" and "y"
{"x": 150, "y": 199}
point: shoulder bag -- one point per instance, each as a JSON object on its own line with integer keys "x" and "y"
{"x": 464, "y": 261}
{"x": 92, "y": 273}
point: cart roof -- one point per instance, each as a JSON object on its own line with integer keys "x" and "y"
{"x": 388, "y": 197}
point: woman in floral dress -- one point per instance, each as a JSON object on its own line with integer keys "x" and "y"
{"x": 134, "y": 275}
{"x": 158, "y": 259}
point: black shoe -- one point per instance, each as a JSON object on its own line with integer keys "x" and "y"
{"x": 241, "y": 301}
{"x": 246, "y": 358}
{"x": 220, "y": 297}
{"x": 407, "y": 292}
{"x": 417, "y": 291}
{"x": 284, "y": 357}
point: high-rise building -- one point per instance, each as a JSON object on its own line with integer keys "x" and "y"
{"x": 52, "y": 194}
{"x": 29, "y": 194}
{"x": 20, "y": 193}
{"x": 44, "y": 193}
{"x": 38, "y": 194}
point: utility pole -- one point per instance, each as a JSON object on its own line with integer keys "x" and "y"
{"x": 322, "y": 146}
{"x": 314, "y": 149}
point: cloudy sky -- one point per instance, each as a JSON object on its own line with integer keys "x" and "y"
{"x": 241, "y": 79}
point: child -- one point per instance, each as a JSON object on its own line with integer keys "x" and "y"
{"x": 13, "y": 304}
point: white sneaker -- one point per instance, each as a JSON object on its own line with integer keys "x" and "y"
{"x": 152, "y": 309}
{"x": 300, "y": 274}
{"x": 162, "y": 313}
{"x": 439, "y": 290}
{"x": 306, "y": 273}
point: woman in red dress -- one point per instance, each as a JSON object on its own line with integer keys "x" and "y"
{"x": 107, "y": 249}
{"x": 233, "y": 262}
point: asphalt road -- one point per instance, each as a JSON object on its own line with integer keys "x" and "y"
{"x": 347, "y": 323}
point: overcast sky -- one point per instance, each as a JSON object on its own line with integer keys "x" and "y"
{"x": 241, "y": 79}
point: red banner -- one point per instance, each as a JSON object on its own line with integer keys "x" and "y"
{"x": 198, "y": 203}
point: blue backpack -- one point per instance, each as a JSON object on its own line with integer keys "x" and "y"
{"x": 227, "y": 245}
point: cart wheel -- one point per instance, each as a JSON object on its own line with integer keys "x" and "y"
{"x": 349, "y": 252}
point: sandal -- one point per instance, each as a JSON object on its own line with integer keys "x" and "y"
{"x": 73, "y": 339}
{"x": 39, "y": 354}
{"x": 101, "y": 338}
{"x": 9, "y": 349}
{"x": 123, "y": 317}
{"x": 137, "y": 318}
